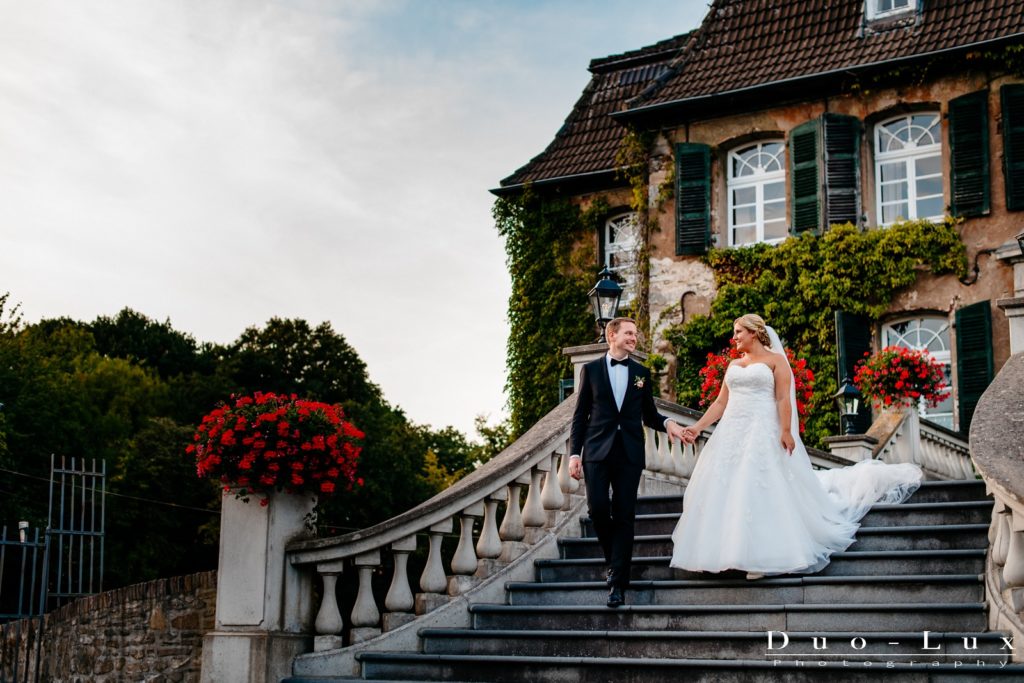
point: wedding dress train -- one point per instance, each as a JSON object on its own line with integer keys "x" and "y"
{"x": 751, "y": 506}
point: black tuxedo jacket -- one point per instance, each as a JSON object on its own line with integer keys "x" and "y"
{"x": 597, "y": 419}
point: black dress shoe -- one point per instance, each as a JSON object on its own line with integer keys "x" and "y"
{"x": 616, "y": 597}
{"x": 611, "y": 578}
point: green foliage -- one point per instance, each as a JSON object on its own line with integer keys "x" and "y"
{"x": 130, "y": 390}
{"x": 632, "y": 158}
{"x": 549, "y": 244}
{"x": 798, "y": 285}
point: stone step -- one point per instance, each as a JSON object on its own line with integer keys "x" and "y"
{"x": 743, "y": 617}
{"x": 934, "y": 537}
{"x": 906, "y": 514}
{"x": 511, "y": 669}
{"x": 847, "y": 563}
{"x": 776, "y": 591}
{"x": 715, "y": 644}
{"x": 929, "y": 492}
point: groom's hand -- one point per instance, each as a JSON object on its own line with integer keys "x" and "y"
{"x": 675, "y": 431}
{"x": 575, "y": 467}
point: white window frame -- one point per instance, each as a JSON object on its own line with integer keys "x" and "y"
{"x": 626, "y": 272}
{"x": 908, "y": 156}
{"x": 757, "y": 181}
{"x": 874, "y": 11}
{"x": 890, "y": 337}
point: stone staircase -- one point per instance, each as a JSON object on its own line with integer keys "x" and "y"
{"x": 914, "y": 567}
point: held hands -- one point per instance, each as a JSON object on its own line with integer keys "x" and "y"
{"x": 575, "y": 468}
{"x": 676, "y": 432}
{"x": 788, "y": 442}
{"x": 688, "y": 435}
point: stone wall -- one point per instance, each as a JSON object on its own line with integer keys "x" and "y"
{"x": 147, "y": 632}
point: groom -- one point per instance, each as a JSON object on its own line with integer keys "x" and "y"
{"x": 607, "y": 443}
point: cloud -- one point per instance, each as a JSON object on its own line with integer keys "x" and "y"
{"x": 222, "y": 163}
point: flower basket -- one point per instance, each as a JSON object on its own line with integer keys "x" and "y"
{"x": 267, "y": 442}
{"x": 713, "y": 373}
{"x": 902, "y": 377}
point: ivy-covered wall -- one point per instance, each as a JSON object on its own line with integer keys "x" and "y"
{"x": 798, "y": 285}
{"x": 552, "y": 260}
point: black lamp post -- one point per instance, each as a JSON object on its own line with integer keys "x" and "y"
{"x": 848, "y": 399}
{"x": 604, "y": 299}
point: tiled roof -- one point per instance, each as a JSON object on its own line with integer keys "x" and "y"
{"x": 747, "y": 43}
{"x": 589, "y": 139}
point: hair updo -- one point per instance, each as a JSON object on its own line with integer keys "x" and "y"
{"x": 755, "y": 323}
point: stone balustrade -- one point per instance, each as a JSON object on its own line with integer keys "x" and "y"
{"x": 997, "y": 449}
{"x": 537, "y": 464}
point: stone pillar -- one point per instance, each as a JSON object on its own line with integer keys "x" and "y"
{"x": 264, "y": 605}
{"x": 854, "y": 448}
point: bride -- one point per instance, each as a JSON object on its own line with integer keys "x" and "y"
{"x": 753, "y": 502}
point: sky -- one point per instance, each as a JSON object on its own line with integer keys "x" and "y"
{"x": 217, "y": 164}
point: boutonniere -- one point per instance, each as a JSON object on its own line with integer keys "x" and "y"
{"x": 638, "y": 382}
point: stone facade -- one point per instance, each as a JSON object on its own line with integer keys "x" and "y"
{"x": 147, "y": 632}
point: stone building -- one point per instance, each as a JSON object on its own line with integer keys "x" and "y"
{"x": 776, "y": 117}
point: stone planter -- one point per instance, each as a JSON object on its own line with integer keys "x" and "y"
{"x": 264, "y": 606}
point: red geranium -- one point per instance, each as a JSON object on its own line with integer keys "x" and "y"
{"x": 901, "y": 376}
{"x": 713, "y": 373}
{"x": 268, "y": 442}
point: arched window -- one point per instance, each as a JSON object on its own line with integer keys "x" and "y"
{"x": 908, "y": 168}
{"x": 621, "y": 243}
{"x": 932, "y": 335}
{"x": 757, "y": 194}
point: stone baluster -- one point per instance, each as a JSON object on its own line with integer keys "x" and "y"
{"x": 664, "y": 457}
{"x": 365, "y": 615}
{"x": 464, "y": 559}
{"x": 433, "y": 581}
{"x": 512, "y": 528}
{"x": 551, "y": 496}
{"x": 488, "y": 546}
{"x": 1001, "y": 542}
{"x": 1013, "y": 570}
{"x": 533, "y": 510}
{"x": 328, "y": 624}
{"x": 650, "y": 454}
{"x": 399, "y": 601}
{"x": 683, "y": 465}
{"x": 566, "y": 483}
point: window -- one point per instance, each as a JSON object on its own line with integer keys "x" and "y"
{"x": 757, "y": 194}
{"x": 932, "y": 335}
{"x": 908, "y": 168}
{"x": 881, "y": 9}
{"x": 621, "y": 242}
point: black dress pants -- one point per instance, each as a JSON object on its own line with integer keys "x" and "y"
{"x": 614, "y": 517}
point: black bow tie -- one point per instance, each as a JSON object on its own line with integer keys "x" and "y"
{"x": 624, "y": 361}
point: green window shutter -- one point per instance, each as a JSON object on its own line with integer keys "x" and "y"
{"x": 804, "y": 177}
{"x": 968, "y": 154}
{"x": 853, "y": 340}
{"x": 842, "y": 168}
{"x": 693, "y": 198}
{"x": 974, "y": 363}
{"x": 1012, "y": 103}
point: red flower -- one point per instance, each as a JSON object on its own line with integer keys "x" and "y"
{"x": 312, "y": 440}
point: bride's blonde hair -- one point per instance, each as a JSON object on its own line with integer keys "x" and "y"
{"x": 756, "y": 324}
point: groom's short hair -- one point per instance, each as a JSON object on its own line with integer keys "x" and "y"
{"x": 616, "y": 323}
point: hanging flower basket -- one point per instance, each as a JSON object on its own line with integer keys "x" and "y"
{"x": 713, "y": 373}
{"x": 266, "y": 442}
{"x": 900, "y": 376}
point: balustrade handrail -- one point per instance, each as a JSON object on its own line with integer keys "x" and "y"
{"x": 996, "y": 443}
{"x": 997, "y": 451}
{"x": 549, "y": 435}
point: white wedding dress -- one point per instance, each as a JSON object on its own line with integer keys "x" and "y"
{"x": 751, "y": 506}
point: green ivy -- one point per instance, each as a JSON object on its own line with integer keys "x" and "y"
{"x": 799, "y": 284}
{"x": 551, "y": 258}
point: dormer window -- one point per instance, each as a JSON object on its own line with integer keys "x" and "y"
{"x": 884, "y": 9}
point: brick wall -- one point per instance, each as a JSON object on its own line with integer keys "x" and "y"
{"x": 147, "y": 632}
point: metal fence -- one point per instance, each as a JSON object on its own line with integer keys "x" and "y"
{"x": 41, "y": 572}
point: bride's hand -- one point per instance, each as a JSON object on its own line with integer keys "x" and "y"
{"x": 788, "y": 442}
